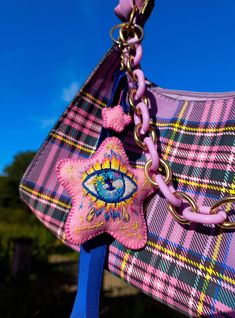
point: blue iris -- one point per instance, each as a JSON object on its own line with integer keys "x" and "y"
{"x": 110, "y": 185}
{"x": 112, "y": 188}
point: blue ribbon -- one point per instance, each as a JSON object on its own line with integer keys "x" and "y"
{"x": 92, "y": 253}
{"x": 90, "y": 273}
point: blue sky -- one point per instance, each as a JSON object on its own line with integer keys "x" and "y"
{"x": 48, "y": 48}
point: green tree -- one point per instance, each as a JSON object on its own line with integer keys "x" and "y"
{"x": 16, "y": 219}
{"x": 9, "y": 181}
{"x": 20, "y": 162}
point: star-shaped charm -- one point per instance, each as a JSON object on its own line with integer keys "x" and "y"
{"x": 114, "y": 118}
{"x": 107, "y": 196}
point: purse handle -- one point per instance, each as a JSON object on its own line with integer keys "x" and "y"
{"x": 131, "y": 33}
{"x": 125, "y": 7}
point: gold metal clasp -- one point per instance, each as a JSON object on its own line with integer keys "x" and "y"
{"x": 218, "y": 204}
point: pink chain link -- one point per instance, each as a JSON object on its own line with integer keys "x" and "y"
{"x": 145, "y": 117}
{"x": 139, "y": 74}
{"x": 203, "y": 214}
{"x": 138, "y": 55}
{"x": 124, "y": 8}
{"x": 152, "y": 153}
{"x": 167, "y": 192}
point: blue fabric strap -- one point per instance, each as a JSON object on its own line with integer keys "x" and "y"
{"x": 90, "y": 273}
{"x": 92, "y": 253}
{"x": 79, "y": 307}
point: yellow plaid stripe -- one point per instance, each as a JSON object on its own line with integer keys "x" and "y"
{"x": 171, "y": 141}
{"x": 203, "y": 185}
{"x": 178, "y": 126}
{"x": 93, "y": 99}
{"x": 209, "y": 271}
{"x": 208, "y": 276}
{"x": 46, "y": 197}
{"x": 124, "y": 261}
{"x": 71, "y": 143}
{"x": 214, "y": 257}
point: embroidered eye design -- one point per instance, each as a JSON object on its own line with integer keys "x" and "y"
{"x": 110, "y": 185}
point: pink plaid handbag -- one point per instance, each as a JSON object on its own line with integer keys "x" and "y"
{"x": 179, "y": 153}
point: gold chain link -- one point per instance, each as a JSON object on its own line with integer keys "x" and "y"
{"x": 163, "y": 166}
{"x": 175, "y": 214}
{"x": 218, "y": 204}
{"x": 132, "y": 101}
{"x": 131, "y": 30}
{"x": 138, "y": 140}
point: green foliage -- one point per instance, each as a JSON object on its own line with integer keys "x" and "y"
{"x": 9, "y": 182}
{"x": 42, "y": 239}
{"x": 17, "y": 221}
{"x": 19, "y": 165}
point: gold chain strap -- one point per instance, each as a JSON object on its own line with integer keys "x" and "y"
{"x": 131, "y": 34}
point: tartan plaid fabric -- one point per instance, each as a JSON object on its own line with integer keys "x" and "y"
{"x": 190, "y": 268}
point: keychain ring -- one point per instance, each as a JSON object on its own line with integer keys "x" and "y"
{"x": 124, "y": 41}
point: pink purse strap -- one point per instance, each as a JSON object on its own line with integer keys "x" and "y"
{"x": 145, "y": 135}
{"x": 125, "y": 7}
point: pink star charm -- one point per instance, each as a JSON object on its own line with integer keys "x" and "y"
{"x": 107, "y": 196}
{"x": 115, "y": 118}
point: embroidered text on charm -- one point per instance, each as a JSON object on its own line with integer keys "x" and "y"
{"x": 107, "y": 196}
